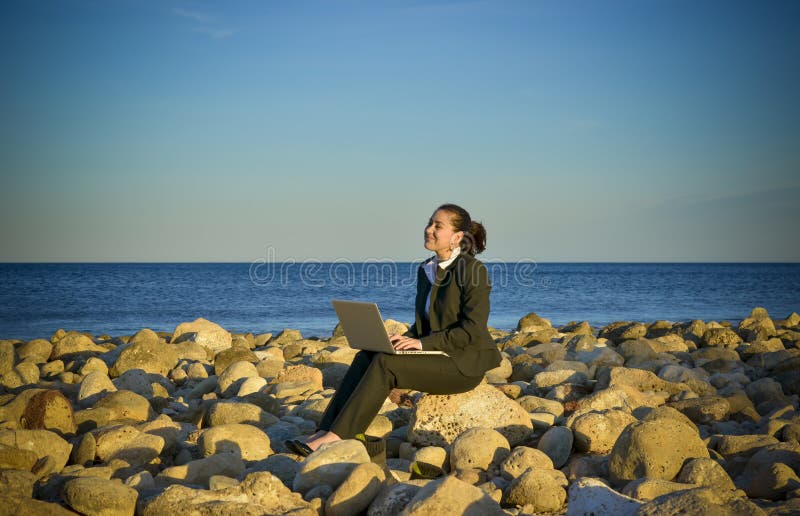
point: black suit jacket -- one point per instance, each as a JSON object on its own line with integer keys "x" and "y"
{"x": 459, "y": 314}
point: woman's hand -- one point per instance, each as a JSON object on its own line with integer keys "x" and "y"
{"x": 401, "y": 343}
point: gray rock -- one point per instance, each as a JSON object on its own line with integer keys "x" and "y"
{"x": 556, "y": 443}
{"x": 231, "y": 412}
{"x": 393, "y": 498}
{"x": 590, "y": 497}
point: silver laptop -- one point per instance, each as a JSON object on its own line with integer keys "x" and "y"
{"x": 363, "y": 326}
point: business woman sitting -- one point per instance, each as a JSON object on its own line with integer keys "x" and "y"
{"x": 452, "y": 310}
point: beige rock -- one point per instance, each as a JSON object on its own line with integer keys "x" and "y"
{"x": 49, "y": 410}
{"x": 357, "y": 491}
{"x": 451, "y": 496}
{"x": 773, "y": 482}
{"x": 704, "y": 410}
{"x": 42, "y": 442}
{"x": 701, "y": 500}
{"x": 17, "y": 483}
{"x": 37, "y": 351}
{"x": 249, "y": 442}
{"x": 300, "y": 373}
{"x": 127, "y": 443}
{"x": 251, "y": 385}
{"x": 596, "y": 432}
{"x": 230, "y": 412}
{"x": 330, "y": 465}
{"x": 93, "y": 387}
{"x": 259, "y": 493}
{"x": 523, "y": 458}
{"x": 743, "y": 445}
{"x": 705, "y": 472}
{"x": 89, "y": 495}
{"x": 29, "y": 507}
{"x": 433, "y": 455}
{"x": 203, "y": 332}
{"x": 536, "y": 404}
{"x": 647, "y": 489}
{"x": 12, "y": 457}
{"x": 479, "y": 448}
{"x": 722, "y": 337}
{"x": 232, "y": 355}
{"x": 231, "y": 379}
{"x": 381, "y": 426}
{"x": 655, "y": 449}
{"x": 73, "y": 344}
{"x": 438, "y": 420}
{"x": 126, "y": 405}
{"x": 147, "y": 352}
{"x": 197, "y": 472}
{"x": 533, "y": 322}
{"x": 536, "y": 489}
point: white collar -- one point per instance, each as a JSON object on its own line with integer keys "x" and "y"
{"x": 447, "y": 262}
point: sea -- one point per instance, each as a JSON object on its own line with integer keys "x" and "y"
{"x": 117, "y": 299}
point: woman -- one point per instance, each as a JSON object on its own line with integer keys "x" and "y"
{"x": 452, "y": 310}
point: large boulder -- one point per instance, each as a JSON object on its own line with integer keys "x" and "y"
{"x": 204, "y": 332}
{"x": 438, "y": 419}
{"x": 145, "y": 351}
{"x": 655, "y": 449}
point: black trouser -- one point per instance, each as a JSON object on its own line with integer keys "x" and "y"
{"x": 372, "y": 376}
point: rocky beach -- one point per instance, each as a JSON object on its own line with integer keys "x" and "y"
{"x": 694, "y": 417}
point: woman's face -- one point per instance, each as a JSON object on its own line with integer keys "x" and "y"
{"x": 440, "y": 233}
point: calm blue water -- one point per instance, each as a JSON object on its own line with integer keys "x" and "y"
{"x": 120, "y": 299}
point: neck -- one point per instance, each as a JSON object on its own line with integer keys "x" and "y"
{"x": 444, "y": 255}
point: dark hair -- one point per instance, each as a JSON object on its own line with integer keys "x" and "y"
{"x": 474, "y": 241}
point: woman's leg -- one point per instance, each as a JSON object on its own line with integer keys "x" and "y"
{"x": 434, "y": 374}
{"x": 354, "y": 374}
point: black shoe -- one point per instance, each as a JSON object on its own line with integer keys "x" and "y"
{"x": 376, "y": 448}
{"x": 298, "y": 447}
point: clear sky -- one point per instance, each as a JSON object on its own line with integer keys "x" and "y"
{"x": 642, "y": 130}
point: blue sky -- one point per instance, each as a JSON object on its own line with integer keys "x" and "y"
{"x": 225, "y": 131}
